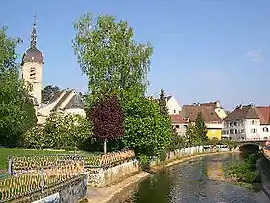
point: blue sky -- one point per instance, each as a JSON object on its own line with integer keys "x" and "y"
{"x": 204, "y": 50}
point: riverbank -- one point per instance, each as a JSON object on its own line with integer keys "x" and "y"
{"x": 112, "y": 192}
{"x": 107, "y": 194}
{"x": 164, "y": 165}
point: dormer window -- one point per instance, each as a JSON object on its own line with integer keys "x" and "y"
{"x": 33, "y": 73}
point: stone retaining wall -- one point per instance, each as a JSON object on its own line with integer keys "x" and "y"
{"x": 189, "y": 151}
{"x": 100, "y": 177}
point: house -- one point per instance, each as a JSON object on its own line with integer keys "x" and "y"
{"x": 172, "y": 105}
{"x": 247, "y": 122}
{"x": 218, "y": 108}
{"x": 67, "y": 101}
{"x": 212, "y": 121}
{"x": 179, "y": 124}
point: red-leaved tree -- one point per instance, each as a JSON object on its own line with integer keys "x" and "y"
{"x": 108, "y": 119}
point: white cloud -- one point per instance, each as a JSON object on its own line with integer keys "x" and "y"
{"x": 256, "y": 55}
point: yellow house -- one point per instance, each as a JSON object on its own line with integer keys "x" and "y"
{"x": 212, "y": 120}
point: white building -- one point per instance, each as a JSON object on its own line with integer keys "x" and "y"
{"x": 247, "y": 123}
{"x": 172, "y": 105}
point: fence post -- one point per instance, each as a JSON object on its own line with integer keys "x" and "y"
{"x": 42, "y": 180}
{"x": 10, "y": 171}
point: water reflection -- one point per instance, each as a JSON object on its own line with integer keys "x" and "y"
{"x": 195, "y": 182}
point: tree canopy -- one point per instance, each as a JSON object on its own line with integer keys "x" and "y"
{"x": 109, "y": 56}
{"x": 17, "y": 113}
{"x": 48, "y": 92}
{"x": 146, "y": 130}
{"x": 108, "y": 119}
{"x": 197, "y": 133}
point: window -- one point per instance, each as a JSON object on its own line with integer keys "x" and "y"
{"x": 33, "y": 73}
{"x": 174, "y": 111}
{"x": 265, "y": 129}
{"x": 231, "y": 124}
{"x": 234, "y": 123}
{"x": 252, "y": 122}
{"x": 253, "y": 130}
{"x": 231, "y": 131}
{"x": 235, "y": 131}
{"x": 177, "y": 126}
{"x": 242, "y": 131}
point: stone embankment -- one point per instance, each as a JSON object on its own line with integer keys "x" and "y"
{"x": 115, "y": 189}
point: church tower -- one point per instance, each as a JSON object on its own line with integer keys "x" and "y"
{"x": 32, "y": 63}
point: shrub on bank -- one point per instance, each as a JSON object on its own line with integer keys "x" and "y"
{"x": 60, "y": 132}
{"x": 244, "y": 171}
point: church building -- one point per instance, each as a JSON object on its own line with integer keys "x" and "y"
{"x": 66, "y": 101}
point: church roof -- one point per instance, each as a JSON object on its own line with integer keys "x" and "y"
{"x": 33, "y": 54}
{"x": 75, "y": 102}
{"x": 70, "y": 99}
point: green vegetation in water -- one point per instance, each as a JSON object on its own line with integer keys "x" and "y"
{"x": 244, "y": 173}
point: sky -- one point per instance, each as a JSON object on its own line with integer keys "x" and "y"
{"x": 204, "y": 50}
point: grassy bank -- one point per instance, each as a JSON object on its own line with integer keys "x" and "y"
{"x": 244, "y": 173}
{"x": 6, "y": 152}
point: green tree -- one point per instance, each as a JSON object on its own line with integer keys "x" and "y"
{"x": 200, "y": 129}
{"x": 48, "y": 93}
{"x": 147, "y": 131}
{"x": 162, "y": 103}
{"x": 190, "y": 134}
{"x": 110, "y": 58}
{"x": 17, "y": 113}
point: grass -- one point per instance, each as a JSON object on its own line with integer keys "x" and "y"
{"x": 6, "y": 152}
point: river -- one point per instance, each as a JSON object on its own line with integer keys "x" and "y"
{"x": 199, "y": 180}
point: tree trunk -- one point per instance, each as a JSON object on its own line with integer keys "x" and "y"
{"x": 105, "y": 146}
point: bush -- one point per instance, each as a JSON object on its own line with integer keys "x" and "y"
{"x": 244, "y": 171}
{"x": 147, "y": 131}
{"x": 60, "y": 132}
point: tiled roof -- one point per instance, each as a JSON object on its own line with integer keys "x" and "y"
{"x": 208, "y": 113}
{"x": 75, "y": 102}
{"x": 243, "y": 112}
{"x": 67, "y": 93}
{"x": 264, "y": 114}
{"x": 177, "y": 119}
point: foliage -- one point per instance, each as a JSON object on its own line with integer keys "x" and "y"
{"x": 60, "y": 132}
{"x": 197, "y": 134}
{"x": 190, "y": 133}
{"x": 162, "y": 103}
{"x": 8, "y": 53}
{"x": 200, "y": 128}
{"x": 107, "y": 118}
{"x": 17, "y": 113}
{"x": 48, "y": 93}
{"x": 109, "y": 56}
{"x": 147, "y": 131}
{"x": 178, "y": 141}
{"x": 214, "y": 141}
{"x": 244, "y": 171}
{"x": 230, "y": 143}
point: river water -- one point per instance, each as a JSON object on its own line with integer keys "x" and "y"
{"x": 199, "y": 180}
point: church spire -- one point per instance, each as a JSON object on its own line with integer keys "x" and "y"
{"x": 34, "y": 34}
